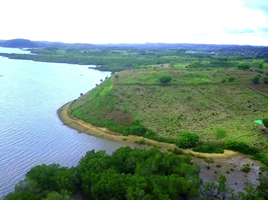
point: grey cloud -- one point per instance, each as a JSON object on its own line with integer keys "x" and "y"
{"x": 256, "y": 5}
{"x": 238, "y": 31}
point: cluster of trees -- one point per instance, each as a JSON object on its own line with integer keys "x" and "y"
{"x": 256, "y": 79}
{"x": 126, "y": 174}
{"x": 129, "y": 174}
{"x": 243, "y": 66}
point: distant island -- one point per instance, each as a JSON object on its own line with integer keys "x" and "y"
{"x": 19, "y": 43}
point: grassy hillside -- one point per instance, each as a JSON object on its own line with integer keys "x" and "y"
{"x": 195, "y": 100}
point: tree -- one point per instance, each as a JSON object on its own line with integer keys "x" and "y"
{"x": 187, "y": 139}
{"x": 265, "y": 121}
{"x": 265, "y": 80}
{"x": 256, "y": 79}
{"x": 243, "y": 66}
{"x": 165, "y": 79}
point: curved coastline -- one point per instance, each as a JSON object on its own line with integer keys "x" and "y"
{"x": 69, "y": 120}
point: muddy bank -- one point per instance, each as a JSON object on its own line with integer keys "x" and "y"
{"x": 66, "y": 117}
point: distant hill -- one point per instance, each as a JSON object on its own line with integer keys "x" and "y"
{"x": 20, "y": 43}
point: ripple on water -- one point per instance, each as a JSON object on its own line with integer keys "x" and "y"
{"x": 30, "y": 131}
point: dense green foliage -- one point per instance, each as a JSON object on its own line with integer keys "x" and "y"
{"x": 208, "y": 149}
{"x": 241, "y": 147}
{"x": 265, "y": 80}
{"x": 130, "y": 174}
{"x": 187, "y": 139}
{"x": 243, "y": 66}
{"x": 265, "y": 121}
{"x": 256, "y": 79}
{"x": 165, "y": 79}
{"x": 126, "y": 174}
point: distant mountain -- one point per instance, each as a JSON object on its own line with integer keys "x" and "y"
{"x": 1, "y": 42}
{"x": 20, "y": 43}
{"x": 66, "y": 45}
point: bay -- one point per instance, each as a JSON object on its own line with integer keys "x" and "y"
{"x": 30, "y": 131}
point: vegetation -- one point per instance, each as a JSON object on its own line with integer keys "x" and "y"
{"x": 187, "y": 139}
{"x": 126, "y": 174}
{"x": 265, "y": 121}
{"x": 195, "y": 101}
{"x": 256, "y": 79}
{"x": 165, "y": 79}
{"x": 245, "y": 168}
{"x": 131, "y": 174}
{"x": 208, "y": 149}
{"x": 265, "y": 80}
{"x": 243, "y": 66}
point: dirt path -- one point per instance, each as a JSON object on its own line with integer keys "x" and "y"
{"x": 84, "y": 127}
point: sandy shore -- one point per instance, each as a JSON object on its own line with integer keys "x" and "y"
{"x": 66, "y": 117}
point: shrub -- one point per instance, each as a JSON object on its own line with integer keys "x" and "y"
{"x": 223, "y": 80}
{"x": 261, "y": 157}
{"x": 256, "y": 79}
{"x": 220, "y": 132}
{"x": 165, "y": 79}
{"x": 245, "y": 168}
{"x": 265, "y": 80}
{"x": 140, "y": 141}
{"x": 208, "y": 149}
{"x": 241, "y": 147}
{"x": 187, "y": 139}
{"x": 177, "y": 151}
{"x": 231, "y": 79}
{"x": 265, "y": 121}
{"x": 243, "y": 66}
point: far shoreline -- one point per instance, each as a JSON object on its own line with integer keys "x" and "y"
{"x": 64, "y": 114}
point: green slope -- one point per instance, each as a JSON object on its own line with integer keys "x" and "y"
{"x": 195, "y": 100}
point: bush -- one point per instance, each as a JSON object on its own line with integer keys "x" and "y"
{"x": 241, "y": 147}
{"x": 243, "y": 66}
{"x": 231, "y": 79}
{"x": 265, "y": 121}
{"x": 245, "y": 168}
{"x": 165, "y": 79}
{"x": 265, "y": 80}
{"x": 187, "y": 139}
{"x": 208, "y": 149}
{"x": 177, "y": 151}
{"x": 220, "y": 132}
{"x": 223, "y": 80}
{"x": 140, "y": 141}
{"x": 261, "y": 157}
{"x": 256, "y": 79}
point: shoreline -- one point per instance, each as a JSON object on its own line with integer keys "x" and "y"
{"x": 69, "y": 120}
{"x": 229, "y": 163}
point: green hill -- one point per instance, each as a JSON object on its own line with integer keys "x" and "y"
{"x": 135, "y": 102}
{"x": 20, "y": 43}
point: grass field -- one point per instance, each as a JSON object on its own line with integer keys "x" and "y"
{"x": 195, "y": 100}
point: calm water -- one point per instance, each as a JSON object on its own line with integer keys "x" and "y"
{"x": 30, "y": 131}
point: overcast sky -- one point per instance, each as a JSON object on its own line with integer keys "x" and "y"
{"x": 136, "y": 21}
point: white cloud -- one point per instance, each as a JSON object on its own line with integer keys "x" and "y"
{"x": 129, "y": 21}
